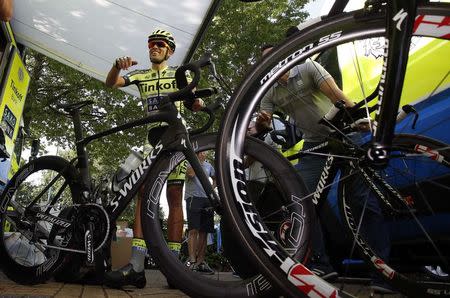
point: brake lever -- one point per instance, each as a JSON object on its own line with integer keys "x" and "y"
{"x": 405, "y": 111}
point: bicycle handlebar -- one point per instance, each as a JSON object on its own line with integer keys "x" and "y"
{"x": 336, "y": 116}
{"x": 210, "y": 110}
{"x": 186, "y": 90}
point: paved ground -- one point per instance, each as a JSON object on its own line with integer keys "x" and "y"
{"x": 156, "y": 287}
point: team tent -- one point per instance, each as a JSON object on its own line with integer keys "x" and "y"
{"x": 88, "y": 35}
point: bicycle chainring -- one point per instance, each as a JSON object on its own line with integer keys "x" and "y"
{"x": 99, "y": 219}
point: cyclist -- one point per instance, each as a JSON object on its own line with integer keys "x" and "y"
{"x": 306, "y": 93}
{"x": 153, "y": 84}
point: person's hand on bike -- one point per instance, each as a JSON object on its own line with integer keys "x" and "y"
{"x": 263, "y": 122}
{"x": 198, "y": 105}
{"x": 362, "y": 125}
{"x": 124, "y": 62}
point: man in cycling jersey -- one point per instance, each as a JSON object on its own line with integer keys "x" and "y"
{"x": 306, "y": 93}
{"x": 153, "y": 84}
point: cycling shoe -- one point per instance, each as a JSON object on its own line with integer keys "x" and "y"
{"x": 125, "y": 276}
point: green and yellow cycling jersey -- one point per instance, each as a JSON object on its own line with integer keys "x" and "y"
{"x": 153, "y": 85}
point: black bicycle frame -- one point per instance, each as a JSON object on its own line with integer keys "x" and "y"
{"x": 330, "y": 170}
{"x": 327, "y": 176}
{"x": 175, "y": 138}
{"x": 400, "y": 17}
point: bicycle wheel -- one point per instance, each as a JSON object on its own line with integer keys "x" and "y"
{"x": 413, "y": 191}
{"x": 35, "y": 212}
{"x": 358, "y": 39}
{"x": 222, "y": 282}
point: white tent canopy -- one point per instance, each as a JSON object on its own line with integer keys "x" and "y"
{"x": 89, "y": 35}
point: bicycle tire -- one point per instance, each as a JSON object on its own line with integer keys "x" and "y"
{"x": 326, "y": 34}
{"x": 197, "y": 285}
{"x": 405, "y": 174}
{"x": 19, "y": 269}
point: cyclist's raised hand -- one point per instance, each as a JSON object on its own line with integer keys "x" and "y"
{"x": 124, "y": 62}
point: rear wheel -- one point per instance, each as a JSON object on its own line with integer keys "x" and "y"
{"x": 35, "y": 214}
{"x": 273, "y": 188}
{"x": 413, "y": 192}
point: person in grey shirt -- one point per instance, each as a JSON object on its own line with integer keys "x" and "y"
{"x": 200, "y": 216}
{"x": 306, "y": 93}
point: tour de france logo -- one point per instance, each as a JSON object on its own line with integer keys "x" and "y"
{"x": 21, "y": 74}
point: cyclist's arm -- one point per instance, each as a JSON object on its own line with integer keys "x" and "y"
{"x": 113, "y": 79}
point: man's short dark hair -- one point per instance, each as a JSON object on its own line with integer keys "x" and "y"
{"x": 266, "y": 46}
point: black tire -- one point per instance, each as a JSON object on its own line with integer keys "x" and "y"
{"x": 275, "y": 262}
{"x": 16, "y": 195}
{"x": 419, "y": 222}
{"x": 197, "y": 285}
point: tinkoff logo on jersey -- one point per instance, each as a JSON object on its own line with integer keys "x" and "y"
{"x": 158, "y": 86}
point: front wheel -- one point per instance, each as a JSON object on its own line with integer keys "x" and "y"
{"x": 275, "y": 187}
{"x": 35, "y": 211}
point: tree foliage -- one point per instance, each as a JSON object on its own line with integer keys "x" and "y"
{"x": 54, "y": 83}
{"x": 238, "y": 31}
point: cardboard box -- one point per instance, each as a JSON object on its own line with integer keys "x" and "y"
{"x": 121, "y": 224}
{"x": 123, "y": 230}
{"x": 121, "y": 252}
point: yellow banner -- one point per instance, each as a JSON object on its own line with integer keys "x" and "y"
{"x": 17, "y": 80}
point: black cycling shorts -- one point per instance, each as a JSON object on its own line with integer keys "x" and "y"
{"x": 178, "y": 175}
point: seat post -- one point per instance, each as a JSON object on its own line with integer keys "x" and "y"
{"x": 82, "y": 155}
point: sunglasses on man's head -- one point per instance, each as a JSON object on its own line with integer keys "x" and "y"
{"x": 158, "y": 43}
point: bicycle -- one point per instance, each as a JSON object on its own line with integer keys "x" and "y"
{"x": 65, "y": 225}
{"x": 383, "y": 153}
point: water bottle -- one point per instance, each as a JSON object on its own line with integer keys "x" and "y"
{"x": 126, "y": 168}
